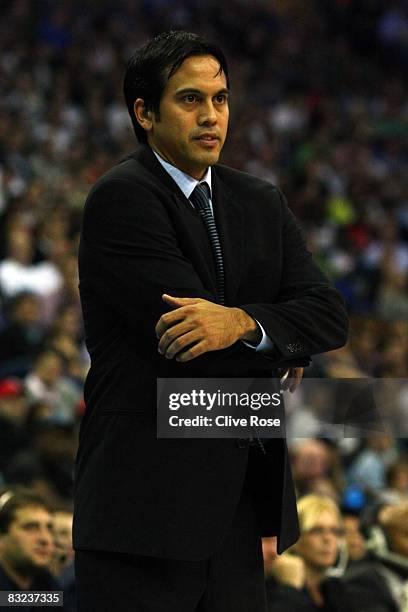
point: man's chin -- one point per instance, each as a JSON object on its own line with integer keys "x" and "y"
{"x": 40, "y": 561}
{"x": 209, "y": 158}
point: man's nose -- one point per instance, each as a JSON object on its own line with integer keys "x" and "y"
{"x": 44, "y": 536}
{"x": 208, "y": 114}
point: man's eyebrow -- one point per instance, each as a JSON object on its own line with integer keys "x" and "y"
{"x": 193, "y": 90}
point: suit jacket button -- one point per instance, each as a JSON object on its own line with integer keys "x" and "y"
{"x": 242, "y": 443}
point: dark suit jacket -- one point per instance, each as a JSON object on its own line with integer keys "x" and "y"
{"x": 142, "y": 238}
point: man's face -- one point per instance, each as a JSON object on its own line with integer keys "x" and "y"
{"x": 28, "y": 543}
{"x": 193, "y": 116}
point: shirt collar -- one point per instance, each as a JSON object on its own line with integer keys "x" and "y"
{"x": 185, "y": 182}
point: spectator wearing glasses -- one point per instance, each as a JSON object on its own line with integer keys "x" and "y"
{"x": 299, "y": 580}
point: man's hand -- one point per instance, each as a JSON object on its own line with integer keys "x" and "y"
{"x": 290, "y": 570}
{"x": 291, "y": 378}
{"x": 197, "y": 326}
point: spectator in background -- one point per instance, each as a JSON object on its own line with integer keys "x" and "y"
{"x": 19, "y": 272}
{"x": 313, "y": 461}
{"x": 26, "y": 543}
{"x": 63, "y": 551}
{"x": 368, "y": 470}
{"x": 383, "y": 580}
{"x": 356, "y": 547}
{"x": 65, "y": 338}
{"x": 364, "y": 344}
{"x": 392, "y": 299}
{"x": 46, "y": 383}
{"x": 14, "y": 409}
{"x": 302, "y": 584}
{"x": 394, "y": 359}
{"x": 22, "y": 334}
{"x": 46, "y": 465}
{"x": 396, "y": 490}
{"x": 62, "y": 564}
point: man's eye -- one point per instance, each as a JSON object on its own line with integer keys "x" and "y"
{"x": 190, "y": 98}
{"x": 221, "y": 99}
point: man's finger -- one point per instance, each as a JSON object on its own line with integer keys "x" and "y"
{"x": 194, "y": 351}
{"x": 168, "y": 320}
{"x": 179, "y": 301}
{"x": 182, "y": 343}
{"x": 285, "y": 378}
{"x": 296, "y": 378}
{"x": 172, "y": 334}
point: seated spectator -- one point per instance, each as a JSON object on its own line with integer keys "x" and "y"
{"x": 62, "y": 564}
{"x": 19, "y": 272}
{"x": 299, "y": 579}
{"x": 63, "y": 551}
{"x": 396, "y": 490}
{"x": 325, "y": 487}
{"x": 356, "y": 546}
{"x": 369, "y": 468}
{"x": 312, "y": 461}
{"x": 21, "y": 335}
{"x": 382, "y": 581}
{"x": 47, "y": 464}
{"x": 46, "y": 383}
{"x": 14, "y": 409}
{"x": 26, "y": 544}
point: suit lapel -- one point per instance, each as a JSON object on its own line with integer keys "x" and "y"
{"x": 147, "y": 158}
{"x": 229, "y": 219}
{"x": 191, "y": 232}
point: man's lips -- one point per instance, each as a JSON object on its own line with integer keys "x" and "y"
{"x": 208, "y": 139}
{"x": 207, "y": 136}
{"x": 43, "y": 553}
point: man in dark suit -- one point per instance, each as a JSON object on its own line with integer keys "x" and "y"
{"x": 169, "y": 291}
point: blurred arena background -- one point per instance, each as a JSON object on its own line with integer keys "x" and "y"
{"x": 319, "y": 107}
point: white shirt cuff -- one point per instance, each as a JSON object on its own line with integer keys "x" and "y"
{"x": 265, "y": 344}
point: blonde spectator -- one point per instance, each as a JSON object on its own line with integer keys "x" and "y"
{"x": 300, "y": 579}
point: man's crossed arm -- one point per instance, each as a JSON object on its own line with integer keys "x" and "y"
{"x": 196, "y": 326}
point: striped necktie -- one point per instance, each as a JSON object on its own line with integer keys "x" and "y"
{"x": 201, "y": 200}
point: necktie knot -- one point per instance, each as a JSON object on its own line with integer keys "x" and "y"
{"x": 200, "y": 196}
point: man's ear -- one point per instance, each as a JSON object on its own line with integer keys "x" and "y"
{"x": 143, "y": 116}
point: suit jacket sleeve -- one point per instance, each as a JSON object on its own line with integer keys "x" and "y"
{"x": 309, "y": 316}
{"x": 131, "y": 256}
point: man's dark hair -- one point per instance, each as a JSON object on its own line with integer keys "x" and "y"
{"x": 149, "y": 69}
{"x": 15, "y": 498}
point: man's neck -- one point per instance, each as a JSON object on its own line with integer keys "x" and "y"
{"x": 167, "y": 161}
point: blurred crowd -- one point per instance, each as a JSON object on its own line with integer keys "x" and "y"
{"x": 318, "y": 107}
